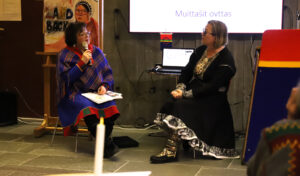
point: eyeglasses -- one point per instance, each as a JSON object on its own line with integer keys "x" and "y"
{"x": 81, "y": 11}
{"x": 205, "y": 32}
{"x": 85, "y": 34}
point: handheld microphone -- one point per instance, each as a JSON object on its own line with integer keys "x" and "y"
{"x": 86, "y": 47}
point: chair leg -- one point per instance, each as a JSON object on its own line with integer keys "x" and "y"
{"x": 54, "y": 132}
{"x": 90, "y": 136}
{"x": 76, "y": 142}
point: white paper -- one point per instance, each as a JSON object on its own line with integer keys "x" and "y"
{"x": 102, "y": 98}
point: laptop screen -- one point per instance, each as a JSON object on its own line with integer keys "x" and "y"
{"x": 176, "y": 57}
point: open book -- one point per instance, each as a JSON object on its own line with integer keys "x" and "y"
{"x": 102, "y": 98}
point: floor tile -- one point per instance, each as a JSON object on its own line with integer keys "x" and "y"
{"x": 21, "y": 154}
{"x": 16, "y": 158}
{"x": 221, "y": 172}
{"x": 168, "y": 169}
{"x": 13, "y": 170}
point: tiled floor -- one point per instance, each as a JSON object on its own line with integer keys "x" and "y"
{"x": 23, "y": 154}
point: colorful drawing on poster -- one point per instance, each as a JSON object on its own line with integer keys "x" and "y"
{"x": 57, "y": 15}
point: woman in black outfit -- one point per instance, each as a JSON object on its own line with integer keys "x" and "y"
{"x": 200, "y": 113}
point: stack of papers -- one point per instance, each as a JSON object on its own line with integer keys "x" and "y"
{"x": 109, "y": 96}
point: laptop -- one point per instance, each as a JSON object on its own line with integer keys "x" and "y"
{"x": 174, "y": 59}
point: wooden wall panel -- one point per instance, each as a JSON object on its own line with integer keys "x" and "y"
{"x": 20, "y": 67}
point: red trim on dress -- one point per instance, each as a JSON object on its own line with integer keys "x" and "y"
{"x": 108, "y": 112}
{"x": 68, "y": 131}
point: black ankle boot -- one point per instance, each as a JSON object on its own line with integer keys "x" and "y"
{"x": 110, "y": 148}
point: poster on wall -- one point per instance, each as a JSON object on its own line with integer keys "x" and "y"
{"x": 57, "y": 15}
{"x": 10, "y": 10}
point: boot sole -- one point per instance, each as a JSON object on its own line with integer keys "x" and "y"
{"x": 162, "y": 160}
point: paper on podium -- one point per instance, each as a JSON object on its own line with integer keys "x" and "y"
{"x": 110, "y": 95}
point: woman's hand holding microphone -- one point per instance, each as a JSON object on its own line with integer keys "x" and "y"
{"x": 86, "y": 56}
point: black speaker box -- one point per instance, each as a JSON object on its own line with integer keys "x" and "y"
{"x": 8, "y": 108}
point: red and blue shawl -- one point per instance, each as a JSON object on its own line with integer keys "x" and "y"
{"x": 74, "y": 77}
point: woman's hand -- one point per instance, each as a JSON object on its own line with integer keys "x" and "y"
{"x": 86, "y": 56}
{"x": 101, "y": 90}
{"x": 177, "y": 93}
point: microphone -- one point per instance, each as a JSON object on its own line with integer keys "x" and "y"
{"x": 86, "y": 47}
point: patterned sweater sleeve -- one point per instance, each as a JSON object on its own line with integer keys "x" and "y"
{"x": 106, "y": 72}
{"x": 69, "y": 72}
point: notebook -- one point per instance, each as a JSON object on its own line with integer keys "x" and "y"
{"x": 174, "y": 59}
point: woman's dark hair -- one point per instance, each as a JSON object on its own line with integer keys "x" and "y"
{"x": 86, "y": 5}
{"x": 71, "y": 31}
